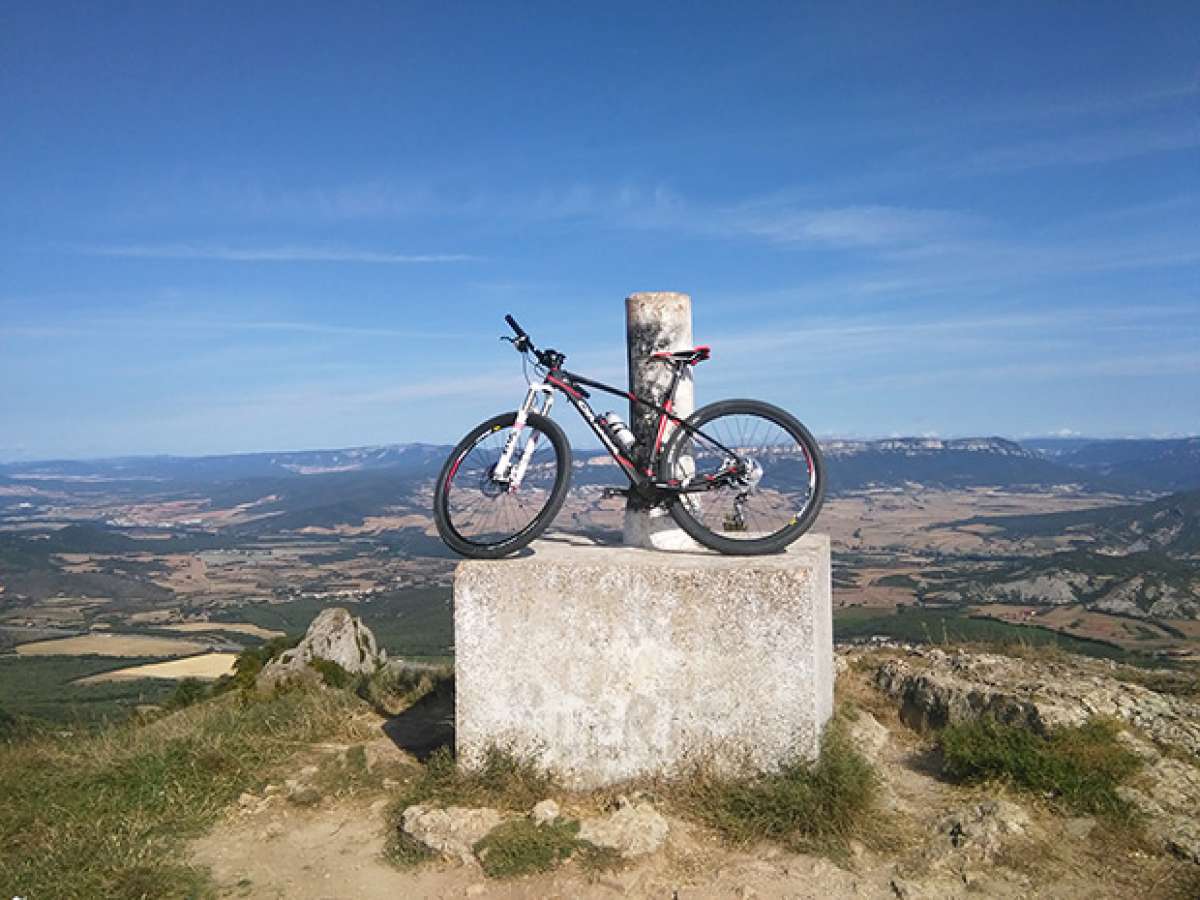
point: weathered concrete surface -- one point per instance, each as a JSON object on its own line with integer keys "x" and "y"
{"x": 656, "y": 321}
{"x": 608, "y": 663}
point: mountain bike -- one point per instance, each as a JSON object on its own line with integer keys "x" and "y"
{"x": 738, "y": 476}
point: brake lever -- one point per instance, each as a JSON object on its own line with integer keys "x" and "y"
{"x": 520, "y": 343}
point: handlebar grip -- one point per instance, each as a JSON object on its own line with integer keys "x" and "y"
{"x": 517, "y": 329}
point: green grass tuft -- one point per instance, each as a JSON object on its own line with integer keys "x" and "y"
{"x": 1080, "y": 767}
{"x": 502, "y": 781}
{"x": 404, "y": 851}
{"x": 817, "y": 806}
{"x": 521, "y": 847}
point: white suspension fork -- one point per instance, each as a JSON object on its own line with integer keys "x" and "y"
{"x": 540, "y": 398}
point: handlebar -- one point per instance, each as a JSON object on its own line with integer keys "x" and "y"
{"x": 517, "y": 329}
{"x": 551, "y": 359}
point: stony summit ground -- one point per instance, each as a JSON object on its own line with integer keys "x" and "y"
{"x": 955, "y": 773}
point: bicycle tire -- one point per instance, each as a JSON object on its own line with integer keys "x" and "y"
{"x": 684, "y": 510}
{"x": 505, "y": 544}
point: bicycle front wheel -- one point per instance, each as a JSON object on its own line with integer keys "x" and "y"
{"x": 481, "y": 516}
{"x": 776, "y": 498}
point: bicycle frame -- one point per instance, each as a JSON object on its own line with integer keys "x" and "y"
{"x": 540, "y": 399}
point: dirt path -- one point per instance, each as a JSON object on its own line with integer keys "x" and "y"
{"x": 336, "y": 853}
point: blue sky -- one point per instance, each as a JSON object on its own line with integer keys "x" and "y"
{"x": 256, "y": 226}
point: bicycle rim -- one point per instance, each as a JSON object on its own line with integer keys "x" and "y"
{"x": 764, "y": 511}
{"x": 483, "y": 514}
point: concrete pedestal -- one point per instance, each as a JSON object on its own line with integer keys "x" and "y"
{"x": 603, "y": 663}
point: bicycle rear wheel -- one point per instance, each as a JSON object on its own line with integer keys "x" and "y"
{"x": 477, "y": 515}
{"x": 780, "y": 494}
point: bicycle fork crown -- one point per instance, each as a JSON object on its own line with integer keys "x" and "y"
{"x": 514, "y": 460}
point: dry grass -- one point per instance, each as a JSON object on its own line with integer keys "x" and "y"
{"x": 394, "y": 688}
{"x": 503, "y": 781}
{"x": 106, "y": 815}
{"x": 808, "y": 807}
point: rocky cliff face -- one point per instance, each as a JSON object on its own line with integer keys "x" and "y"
{"x": 1142, "y": 585}
{"x": 933, "y": 689}
{"x": 915, "y": 445}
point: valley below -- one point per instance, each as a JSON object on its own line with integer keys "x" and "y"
{"x": 119, "y": 578}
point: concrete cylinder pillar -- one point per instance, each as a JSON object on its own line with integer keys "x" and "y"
{"x": 655, "y": 321}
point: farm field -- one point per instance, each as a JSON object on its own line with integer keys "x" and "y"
{"x": 48, "y": 688}
{"x": 205, "y": 666}
{"x": 147, "y": 593}
{"x": 245, "y": 628}
{"x": 108, "y": 644}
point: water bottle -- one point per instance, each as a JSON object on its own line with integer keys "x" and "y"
{"x": 616, "y": 429}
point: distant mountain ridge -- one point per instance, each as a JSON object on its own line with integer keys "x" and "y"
{"x": 913, "y": 445}
{"x": 1131, "y": 467}
{"x": 1159, "y": 465}
{"x": 230, "y": 466}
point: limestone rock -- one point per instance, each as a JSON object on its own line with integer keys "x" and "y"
{"x": 634, "y": 829}
{"x": 545, "y": 812}
{"x": 452, "y": 832}
{"x": 937, "y": 689}
{"x": 981, "y": 828}
{"x": 1168, "y": 793}
{"x": 1080, "y": 827}
{"x": 334, "y": 635}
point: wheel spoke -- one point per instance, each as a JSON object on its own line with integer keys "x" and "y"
{"x": 776, "y": 492}
{"x": 482, "y": 511}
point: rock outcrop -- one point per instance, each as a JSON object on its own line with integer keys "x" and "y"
{"x": 334, "y": 636}
{"x": 933, "y": 689}
{"x": 453, "y": 832}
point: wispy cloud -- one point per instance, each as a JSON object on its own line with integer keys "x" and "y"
{"x": 1082, "y": 149}
{"x": 270, "y": 254}
{"x": 850, "y": 226}
{"x": 348, "y": 330}
{"x": 1096, "y": 103}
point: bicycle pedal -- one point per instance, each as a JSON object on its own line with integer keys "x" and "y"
{"x": 609, "y": 493}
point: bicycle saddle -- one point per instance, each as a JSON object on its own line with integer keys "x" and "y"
{"x": 690, "y": 357}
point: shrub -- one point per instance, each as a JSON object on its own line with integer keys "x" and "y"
{"x": 804, "y": 806}
{"x": 187, "y": 692}
{"x": 332, "y": 674}
{"x": 1080, "y": 766}
{"x": 9, "y": 725}
{"x": 521, "y": 847}
{"x": 394, "y": 687}
{"x": 251, "y": 661}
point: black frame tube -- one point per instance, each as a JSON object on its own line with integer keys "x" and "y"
{"x": 636, "y": 477}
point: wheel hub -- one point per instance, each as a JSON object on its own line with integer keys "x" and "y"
{"x": 490, "y": 486}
